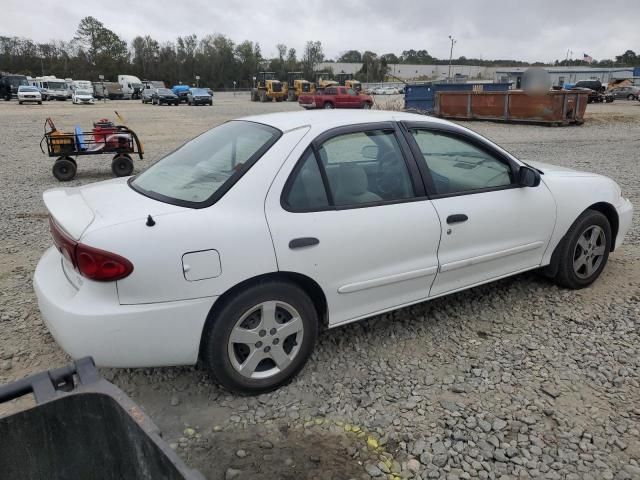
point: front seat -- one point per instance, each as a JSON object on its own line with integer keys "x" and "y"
{"x": 354, "y": 185}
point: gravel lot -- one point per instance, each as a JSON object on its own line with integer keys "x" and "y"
{"x": 517, "y": 379}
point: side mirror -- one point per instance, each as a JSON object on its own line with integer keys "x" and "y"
{"x": 370, "y": 152}
{"x": 528, "y": 177}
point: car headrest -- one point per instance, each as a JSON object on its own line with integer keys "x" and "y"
{"x": 353, "y": 179}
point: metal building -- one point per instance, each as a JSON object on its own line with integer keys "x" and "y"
{"x": 562, "y": 75}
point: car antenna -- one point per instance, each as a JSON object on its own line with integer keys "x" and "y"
{"x": 150, "y": 221}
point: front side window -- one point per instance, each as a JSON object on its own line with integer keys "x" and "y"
{"x": 210, "y": 163}
{"x": 457, "y": 166}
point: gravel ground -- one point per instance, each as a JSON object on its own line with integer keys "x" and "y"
{"x": 517, "y": 379}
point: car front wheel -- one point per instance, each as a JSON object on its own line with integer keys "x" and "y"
{"x": 261, "y": 338}
{"x": 585, "y": 251}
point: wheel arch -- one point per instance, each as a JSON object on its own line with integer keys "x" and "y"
{"x": 608, "y": 211}
{"x": 307, "y": 284}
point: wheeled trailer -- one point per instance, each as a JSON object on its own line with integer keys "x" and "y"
{"x": 104, "y": 139}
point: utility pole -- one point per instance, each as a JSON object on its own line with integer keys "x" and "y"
{"x": 453, "y": 42}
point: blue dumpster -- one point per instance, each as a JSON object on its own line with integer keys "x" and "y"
{"x": 421, "y": 97}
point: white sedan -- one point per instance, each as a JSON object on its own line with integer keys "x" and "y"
{"x": 238, "y": 247}
{"x": 29, "y": 93}
{"x": 80, "y": 97}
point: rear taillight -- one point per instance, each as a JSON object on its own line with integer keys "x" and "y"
{"x": 90, "y": 262}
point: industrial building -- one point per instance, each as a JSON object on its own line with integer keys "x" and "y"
{"x": 562, "y": 75}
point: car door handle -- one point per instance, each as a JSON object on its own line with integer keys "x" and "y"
{"x": 457, "y": 218}
{"x": 303, "y": 242}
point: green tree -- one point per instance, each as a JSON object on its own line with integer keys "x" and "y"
{"x": 313, "y": 55}
{"x": 350, "y": 56}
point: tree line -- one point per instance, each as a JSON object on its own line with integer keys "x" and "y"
{"x": 218, "y": 61}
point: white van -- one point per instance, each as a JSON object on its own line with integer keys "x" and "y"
{"x": 52, "y": 87}
{"x": 131, "y": 86}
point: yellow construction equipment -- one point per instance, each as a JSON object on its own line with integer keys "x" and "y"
{"x": 267, "y": 88}
{"x": 347, "y": 80}
{"x": 323, "y": 80}
{"x": 296, "y": 86}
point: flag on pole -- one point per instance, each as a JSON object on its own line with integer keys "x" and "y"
{"x": 587, "y": 58}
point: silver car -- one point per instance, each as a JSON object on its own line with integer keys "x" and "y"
{"x": 630, "y": 93}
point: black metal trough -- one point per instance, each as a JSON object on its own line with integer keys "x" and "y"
{"x": 82, "y": 427}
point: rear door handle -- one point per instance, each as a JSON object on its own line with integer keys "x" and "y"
{"x": 457, "y": 218}
{"x": 303, "y": 242}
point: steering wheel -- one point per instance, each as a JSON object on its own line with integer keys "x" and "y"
{"x": 389, "y": 179}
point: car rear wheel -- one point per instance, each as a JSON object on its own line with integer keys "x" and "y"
{"x": 64, "y": 169}
{"x": 585, "y": 251}
{"x": 367, "y": 106}
{"x": 261, "y": 338}
{"x": 328, "y": 106}
{"x": 630, "y": 97}
{"x": 122, "y": 165}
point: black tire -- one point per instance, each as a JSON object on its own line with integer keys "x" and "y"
{"x": 215, "y": 351}
{"x": 211, "y": 103}
{"x": 19, "y": 103}
{"x": 366, "y": 106}
{"x": 263, "y": 96}
{"x": 569, "y": 251}
{"x": 328, "y": 106}
{"x": 631, "y": 97}
{"x": 39, "y": 103}
{"x": 64, "y": 169}
{"x": 122, "y": 165}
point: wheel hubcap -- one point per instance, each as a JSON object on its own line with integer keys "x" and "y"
{"x": 265, "y": 340}
{"x": 589, "y": 251}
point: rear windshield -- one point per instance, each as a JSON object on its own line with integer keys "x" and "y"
{"x": 202, "y": 170}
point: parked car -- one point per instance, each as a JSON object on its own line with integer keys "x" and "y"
{"x": 199, "y": 96}
{"x": 385, "y": 91}
{"x": 597, "y": 93}
{"x": 182, "y": 91}
{"x": 82, "y": 96}
{"x": 148, "y": 86}
{"x": 335, "y": 97}
{"x": 29, "y": 93}
{"x": 163, "y": 95}
{"x": 267, "y": 228}
{"x": 147, "y": 95}
{"x": 630, "y": 93}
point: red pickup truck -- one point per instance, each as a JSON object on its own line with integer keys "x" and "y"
{"x": 335, "y": 97}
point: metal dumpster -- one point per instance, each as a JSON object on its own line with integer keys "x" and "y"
{"x": 556, "y": 107}
{"x": 420, "y": 97}
{"x": 82, "y": 427}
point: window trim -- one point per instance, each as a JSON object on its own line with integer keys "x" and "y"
{"x": 419, "y": 192}
{"x": 225, "y": 187}
{"x": 454, "y": 132}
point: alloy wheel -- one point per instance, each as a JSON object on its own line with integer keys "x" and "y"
{"x": 265, "y": 340}
{"x": 589, "y": 251}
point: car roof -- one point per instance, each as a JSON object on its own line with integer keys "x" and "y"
{"x": 337, "y": 118}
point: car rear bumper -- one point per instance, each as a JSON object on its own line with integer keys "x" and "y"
{"x": 625, "y": 216}
{"x": 91, "y": 321}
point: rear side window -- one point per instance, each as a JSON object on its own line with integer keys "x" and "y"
{"x": 307, "y": 192}
{"x": 362, "y": 168}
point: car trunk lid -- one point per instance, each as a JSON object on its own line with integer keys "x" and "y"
{"x": 78, "y": 209}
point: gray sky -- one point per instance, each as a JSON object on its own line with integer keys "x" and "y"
{"x": 534, "y": 30}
